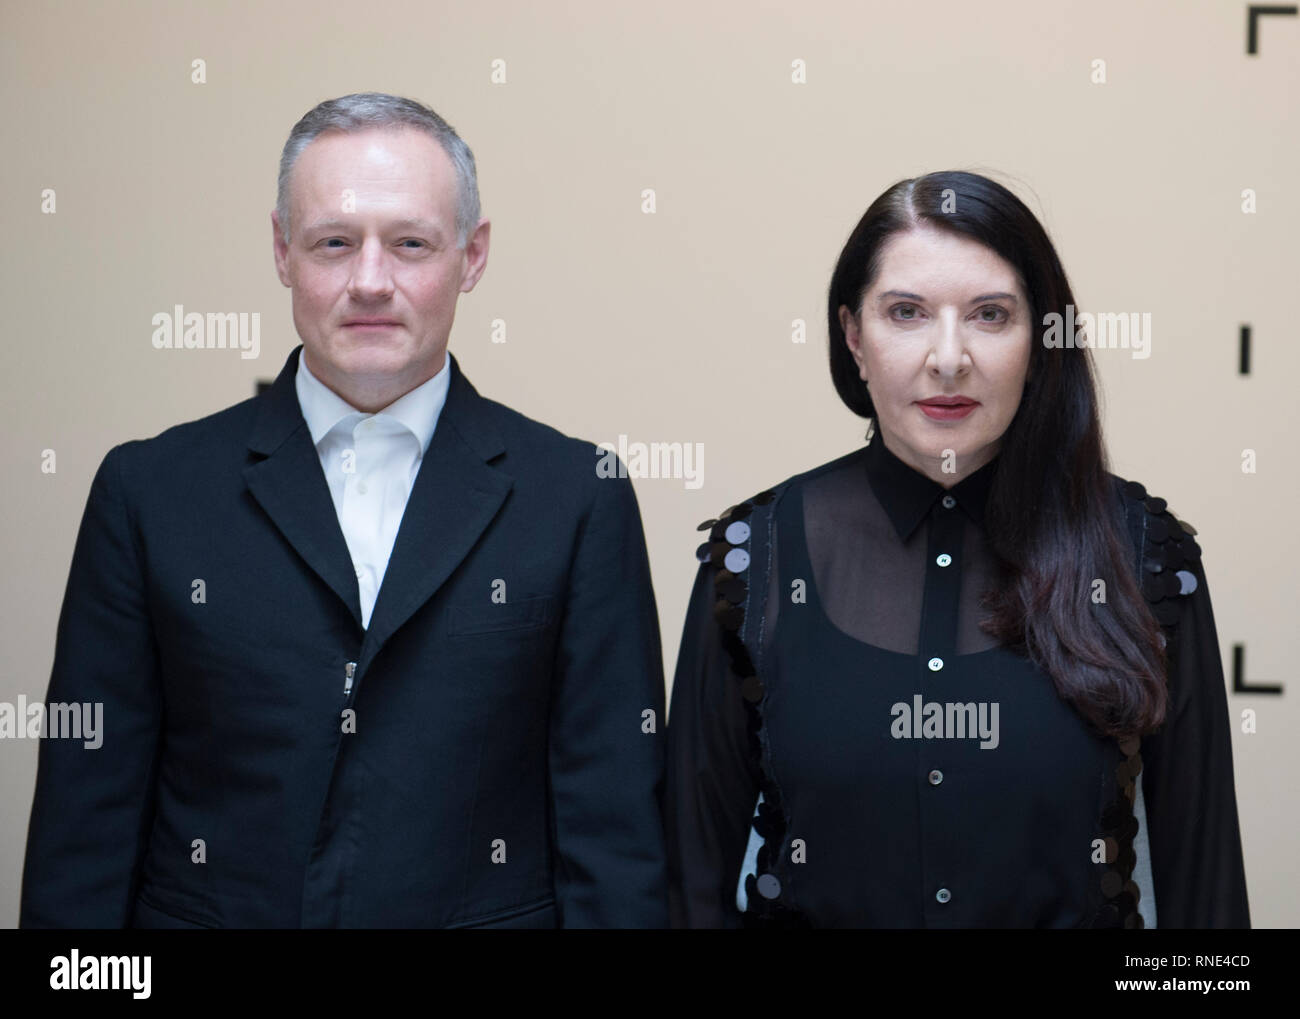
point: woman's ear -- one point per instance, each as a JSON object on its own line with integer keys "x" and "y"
{"x": 853, "y": 339}
{"x": 1035, "y": 338}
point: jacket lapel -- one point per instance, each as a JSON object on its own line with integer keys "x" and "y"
{"x": 455, "y": 496}
{"x": 290, "y": 486}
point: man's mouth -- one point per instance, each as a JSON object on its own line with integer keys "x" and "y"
{"x": 371, "y": 323}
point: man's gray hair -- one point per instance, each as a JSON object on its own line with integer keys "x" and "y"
{"x": 363, "y": 111}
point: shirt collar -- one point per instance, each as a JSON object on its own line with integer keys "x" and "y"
{"x": 908, "y": 495}
{"x": 418, "y": 410}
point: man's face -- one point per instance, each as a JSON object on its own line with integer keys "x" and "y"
{"x": 372, "y": 260}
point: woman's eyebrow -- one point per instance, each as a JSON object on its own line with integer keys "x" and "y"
{"x": 974, "y": 300}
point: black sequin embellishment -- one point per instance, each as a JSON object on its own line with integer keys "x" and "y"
{"x": 727, "y": 550}
{"x": 1169, "y": 562}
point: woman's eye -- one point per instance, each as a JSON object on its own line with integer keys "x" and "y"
{"x": 998, "y": 314}
{"x": 910, "y": 308}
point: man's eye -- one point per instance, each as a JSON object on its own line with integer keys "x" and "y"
{"x": 331, "y": 240}
{"x": 412, "y": 240}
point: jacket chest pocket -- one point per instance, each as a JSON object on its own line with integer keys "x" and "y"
{"x": 522, "y": 616}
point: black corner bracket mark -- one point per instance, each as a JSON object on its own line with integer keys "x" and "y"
{"x": 1253, "y": 13}
{"x": 1239, "y": 684}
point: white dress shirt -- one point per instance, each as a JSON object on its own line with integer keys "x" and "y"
{"x": 370, "y": 462}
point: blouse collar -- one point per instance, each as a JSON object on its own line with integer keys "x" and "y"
{"x": 908, "y": 496}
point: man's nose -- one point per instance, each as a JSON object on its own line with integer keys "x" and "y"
{"x": 371, "y": 273}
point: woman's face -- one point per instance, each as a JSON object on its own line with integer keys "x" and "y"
{"x": 942, "y": 341}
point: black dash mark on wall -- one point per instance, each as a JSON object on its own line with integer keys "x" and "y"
{"x": 1243, "y": 357}
{"x": 1253, "y": 13}
{"x": 262, "y": 386}
{"x": 1239, "y": 684}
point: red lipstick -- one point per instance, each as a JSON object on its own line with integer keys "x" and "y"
{"x": 947, "y": 408}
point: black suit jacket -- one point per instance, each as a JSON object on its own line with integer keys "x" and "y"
{"x": 499, "y": 773}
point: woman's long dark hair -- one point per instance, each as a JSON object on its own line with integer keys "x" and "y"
{"x": 1052, "y": 518}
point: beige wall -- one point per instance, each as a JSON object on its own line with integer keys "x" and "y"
{"x": 673, "y": 326}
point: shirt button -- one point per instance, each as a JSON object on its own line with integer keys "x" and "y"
{"x": 936, "y": 664}
{"x": 949, "y": 502}
{"x": 361, "y": 488}
{"x": 360, "y": 573}
{"x": 943, "y": 560}
{"x": 368, "y": 424}
{"x": 942, "y": 895}
{"x": 936, "y": 777}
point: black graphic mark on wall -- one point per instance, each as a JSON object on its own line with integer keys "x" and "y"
{"x": 1239, "y": 684}
{"x": 1243, "y": 361}
{"x": 262, "y": 386}
{"x": 1253, "y": 13}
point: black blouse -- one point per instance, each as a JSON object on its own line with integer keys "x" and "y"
{"x": 908, "y": 771}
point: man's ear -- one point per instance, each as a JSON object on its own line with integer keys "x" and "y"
{"x": 476, "y": 253}
{"x": 280, "y": 250}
